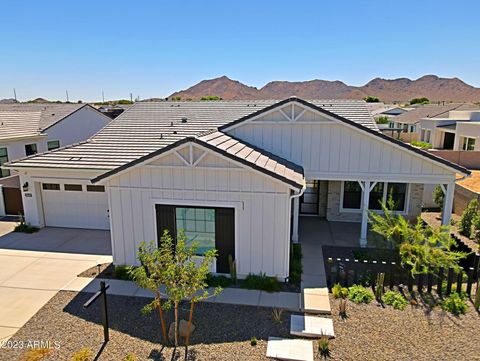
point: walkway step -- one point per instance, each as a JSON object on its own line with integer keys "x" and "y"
{"x": 289, "y": 349}
{"x": 315, "y": 301}
{"x": 311, "y": 326}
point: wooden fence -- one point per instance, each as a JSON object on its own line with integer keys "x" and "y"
{"x": 351, "y": 271}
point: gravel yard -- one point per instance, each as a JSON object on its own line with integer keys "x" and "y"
{"x": 223, "y": 332}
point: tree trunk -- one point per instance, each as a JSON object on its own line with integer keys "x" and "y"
{"x": 192, "y": 304}
{"x": 160, "y": 311}
{"x": 176, "y": 324}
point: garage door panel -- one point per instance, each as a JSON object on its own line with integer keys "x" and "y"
{"x": 75, "y": 209}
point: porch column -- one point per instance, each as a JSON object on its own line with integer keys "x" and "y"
{"x": 2, "y": 201}
{"x": 366, "y": 187}
{"x": 448, "y": 191}
{"x": 296, "y": 211}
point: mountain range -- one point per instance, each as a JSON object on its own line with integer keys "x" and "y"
{"x": 387, "y": 90}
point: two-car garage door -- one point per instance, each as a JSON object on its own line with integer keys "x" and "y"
{"x": 75, "y": 206}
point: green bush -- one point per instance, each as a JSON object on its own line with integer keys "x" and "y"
{"x": 422, "y": 100}
{"x": 422, "y": 145}
{"x": 359, "y": 294}
{"x": 261, "y": 282}
{"x": 324, "y": 347}
{"x": 438, "y": 196}
{"x": 130, "y": 357}
{"x": 476, "y": 228}
{"x": 339, "y": 292}
{"x": 455, "y": 304}
{"x": 395, "y": 299}
{"x": 382, "y": 120}
{"x": 84, "y": 354}
{"x": 296, "y": 268}
{"x": 218, "y": 281}
{"x": 25, "y": 228}
{"x": 468, "y": 216}
{"x": 123, "y": 272}
{"x": 371, "y": 99}
{"x": 253, "y": 341}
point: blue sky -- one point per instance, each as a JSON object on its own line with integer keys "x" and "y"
{"x": 152, "y": 48}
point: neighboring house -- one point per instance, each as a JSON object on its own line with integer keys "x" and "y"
{"x": 408, "y": 121}
{"x": 456, "y": 130}
{"x": 235, "y": 175}
{"x": 28, "y": 129}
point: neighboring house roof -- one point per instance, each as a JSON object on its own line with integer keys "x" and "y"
{"x": 50, "y": 113}
{"x": 448, "y": 126}
{"x": 147, "y": 127}
{"x": 19, "y": 124}
{"x": 431, "y": 111}
{"x": 234, "y": 149}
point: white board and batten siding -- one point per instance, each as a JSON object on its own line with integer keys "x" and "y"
{"x": 261, "y": 208}
{"x": 328, "y": 149}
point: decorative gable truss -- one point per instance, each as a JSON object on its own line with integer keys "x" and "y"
{"x": 291, "y": 112}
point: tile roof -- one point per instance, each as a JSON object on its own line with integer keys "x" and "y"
{"x": 19, "y": 124}
{"x": 147, "y": 127}
{"x": 50, "y": 113}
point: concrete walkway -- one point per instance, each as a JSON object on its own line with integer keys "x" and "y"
{"x": 34, "y": 267}
{"x": 237, "y": 296}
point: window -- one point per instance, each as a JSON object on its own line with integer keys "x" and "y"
{"x": 376, "y": 197}
{"x": 91, "y": 188}
{"x": 30, "y": 149}
{"x": 50, "y": 187}
{"x": 73, "y": 187}
{"x": 352, "y": 195}
{"x": 425, "y": 135}
{"x": 398, "y": 192}
{"x": 3, "y": 160}
{"x": 199, "y": 226}
{"x": 468, "y": 143}
{"x": 53, "y": 144}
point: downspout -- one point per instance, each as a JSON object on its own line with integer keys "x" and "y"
{"x": 295, "y": 195}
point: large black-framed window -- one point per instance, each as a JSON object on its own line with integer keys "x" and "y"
{"x": 3, "y": 160}
{"x": 310, "y": 198}
{"x": 352, "y": 195}
{"x": 381, "y": 192}
{"x": 173, "y": 217}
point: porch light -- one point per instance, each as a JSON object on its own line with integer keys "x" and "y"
{"x": 25, "y": 187}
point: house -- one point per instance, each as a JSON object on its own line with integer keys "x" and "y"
{"x": 235, "y": 175}
{"x": 28, "y": 129}
{"x": 457, "y": 130}
{"x": 409, "y": 120}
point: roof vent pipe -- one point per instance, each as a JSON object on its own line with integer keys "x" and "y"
{"x": 184, "y": 119}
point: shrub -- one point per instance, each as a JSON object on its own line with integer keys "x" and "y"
{"x": 359, "y": 294}
{"x": 84, "y": 354}
{"x": 123, "y": 272}
{"x": 261, "y": 282}
{"x": 422, "y": 100}
{"x": 382, "y": 120}
{"x": 339, "y": 291}
{"x": 277, "y": 314}
{"x": 371, "y": 99}
{"x": 324, "y": 347}
{"x": 422, "y": 145}
{"x": 468, "y": 216}
{"x": 476, "y": 228}
{"x": 296, "y": 268}
{"x": 35, "y": 354}
{"x": 218, "y": 281}
{"x": 130, "y": 357}
{"x": 438, "y": 196}
{"x": 253, "y": 341}
{"x": 395, "y": 299}
{"x": 455, "y": 304}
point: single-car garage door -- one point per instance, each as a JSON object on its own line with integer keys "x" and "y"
{"x": 75, "y": 206}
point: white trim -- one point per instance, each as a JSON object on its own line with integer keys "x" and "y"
{"x": 283, "y": 113}
{"x": 359, "y": 210}
{"x": 237, "y": 206}
{"x": 396, "y": 177}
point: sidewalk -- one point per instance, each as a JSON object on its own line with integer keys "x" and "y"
{"x": 237, "y": 296}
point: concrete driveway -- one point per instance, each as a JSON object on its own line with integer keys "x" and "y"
{"x": 34, "y": 267}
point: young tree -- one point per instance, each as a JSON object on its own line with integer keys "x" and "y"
{"x": 177, "y": 267}
{"x": 468, "y": 216}
{"x": 438, "y": 196}
{"x": 422, "y": 248}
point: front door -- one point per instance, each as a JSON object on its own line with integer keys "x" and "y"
{"x": 208, "y": 227}
{"x": 448, "y": 141}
